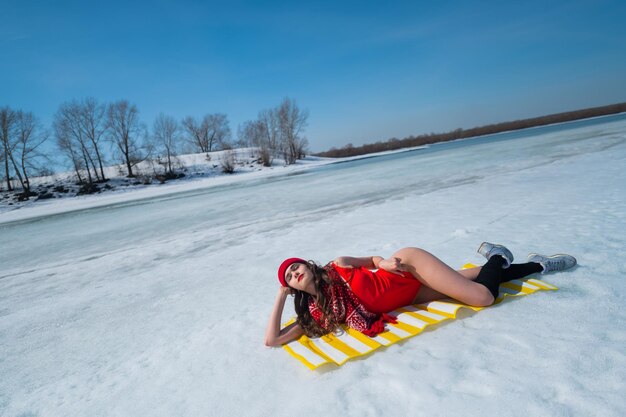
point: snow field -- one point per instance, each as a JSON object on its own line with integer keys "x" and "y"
{"x": 160, "y": 308}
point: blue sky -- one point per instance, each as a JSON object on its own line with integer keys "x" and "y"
{"x": 365, "y": 70}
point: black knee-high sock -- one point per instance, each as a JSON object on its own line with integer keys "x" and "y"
{"x": 516, "y": 271}
{"x": 490, "y": 274}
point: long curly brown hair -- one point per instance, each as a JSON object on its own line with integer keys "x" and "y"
{"x": 301, "y": 304}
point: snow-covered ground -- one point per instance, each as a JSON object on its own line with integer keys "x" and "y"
{"x": 158, "y": 306}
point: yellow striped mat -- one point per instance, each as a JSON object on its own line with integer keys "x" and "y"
{"x": 412, "y": 320}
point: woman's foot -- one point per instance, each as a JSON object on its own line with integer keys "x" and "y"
{"x": 553, "y": 263}
{"x": 488, "y": 250}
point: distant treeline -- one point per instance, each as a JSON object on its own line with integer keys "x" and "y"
{"x": 89, "y": 135}
{"x": 412, "y": 141}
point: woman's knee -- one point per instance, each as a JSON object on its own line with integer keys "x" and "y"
{"x": 422, "y": 261}
{"x": 483, "y": 298}
{"x": 413, "y": 259}
{"x": 409, "y": 254}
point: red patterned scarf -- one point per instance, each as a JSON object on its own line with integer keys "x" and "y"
{"x": 346, "y": 308}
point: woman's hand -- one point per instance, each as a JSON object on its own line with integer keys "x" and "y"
{"x": 285, "y": 291}
{"x": 352, "y": 262}
{"x": 392, "y": 265}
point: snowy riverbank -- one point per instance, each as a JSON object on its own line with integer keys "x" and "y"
{"x": 199, "y": 172}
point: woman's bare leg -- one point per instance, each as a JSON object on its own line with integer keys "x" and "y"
{"x": 427, "y": 294}
{"x": 470, "y": 273}
{"x": 438, "y": 276}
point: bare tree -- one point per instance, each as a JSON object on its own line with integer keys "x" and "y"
{"x": 93, "y": 123}
{"x": 244, "y": 138}
{"x": 124, "y": 131}
{"x": 30, "y": 136}
{"x": 271, "y": 129}
{"x": 292, "y": 121}
{"x": 254, "y": 133}
{"x": 21, "y": 135}
{"x": 68, "y": 147}
{"x": 7, "y": 133}
{"x": 277, "y": 131}
{"x": 302, "y": 147}
{"x": 206, "y": 134}
{"x": 218, "y": 129}
{"x": 71, "y": 138}
{"x": 165, "y": 133}
{"x": 197, "y": 133}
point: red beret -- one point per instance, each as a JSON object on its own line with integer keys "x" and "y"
{"x": 283, "y": 267}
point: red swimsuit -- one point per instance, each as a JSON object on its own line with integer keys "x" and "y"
{"x": 380, "y": 291}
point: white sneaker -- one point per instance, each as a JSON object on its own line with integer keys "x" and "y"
{"x": 559, "y": 262}
{"x": 488, "y": 250}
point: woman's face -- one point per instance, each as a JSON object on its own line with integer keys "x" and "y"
{"x": 299, "y": 276}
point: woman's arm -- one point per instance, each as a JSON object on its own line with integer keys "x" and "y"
{"x": 370, "y": 262}
{"x": 373, "y": 262}
{"x": 274, "y": 336}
